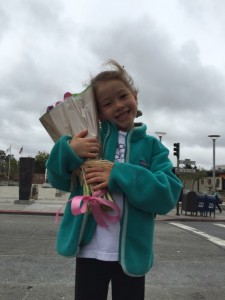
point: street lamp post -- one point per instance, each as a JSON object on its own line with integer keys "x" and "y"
{"x": 214, "y": 137}
{"x": 160, "y": 134}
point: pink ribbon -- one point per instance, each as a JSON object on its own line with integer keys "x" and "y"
{"x": 80, "y": 204}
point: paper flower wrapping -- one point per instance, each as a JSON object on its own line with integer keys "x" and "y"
{"x": 68, "y": 117}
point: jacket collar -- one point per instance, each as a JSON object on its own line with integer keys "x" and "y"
{"x": 136, "y": 133}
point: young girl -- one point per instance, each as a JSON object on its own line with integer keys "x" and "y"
{"x": 140, "y": 180}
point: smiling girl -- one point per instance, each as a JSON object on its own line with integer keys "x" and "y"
{"x": 140, "y": 180}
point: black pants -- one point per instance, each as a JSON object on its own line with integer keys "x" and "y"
{"x": 93, "y": 277}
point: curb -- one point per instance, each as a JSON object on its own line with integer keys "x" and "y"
{"x": 159, "y": 219}
{"x": 28, "y": 212}
{"x": 189, "y": 220}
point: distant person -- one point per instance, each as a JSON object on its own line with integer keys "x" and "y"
{"x": 218, "y": 202}
{"x": 140, "y": 180}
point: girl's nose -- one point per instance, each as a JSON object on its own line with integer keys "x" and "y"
{"x": 119, "y": 104}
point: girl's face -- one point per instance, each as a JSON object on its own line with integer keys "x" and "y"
{"x": 116, "y": 103}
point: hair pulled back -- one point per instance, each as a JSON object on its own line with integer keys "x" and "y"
{"x": 116, "y": 73}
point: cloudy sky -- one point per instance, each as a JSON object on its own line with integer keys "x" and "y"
{"x": 174, "y": 51}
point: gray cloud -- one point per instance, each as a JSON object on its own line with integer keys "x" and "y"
{"x": 47, "y": 52}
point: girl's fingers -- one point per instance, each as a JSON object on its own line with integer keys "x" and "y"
{"x": 81, "y": 134}
{"x": 93, "y": 176}
{"x": 89, "y": 170}
{"x": 100, "y": 186}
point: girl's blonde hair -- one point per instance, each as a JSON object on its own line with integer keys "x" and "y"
{"x": 117, "y": 73}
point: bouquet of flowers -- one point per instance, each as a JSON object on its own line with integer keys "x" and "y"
{"x": 68, "y": 117}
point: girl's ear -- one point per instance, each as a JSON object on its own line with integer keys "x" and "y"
{"x": 100, "y": 118}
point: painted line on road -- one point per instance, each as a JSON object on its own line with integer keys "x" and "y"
{"x": 210, "y": 238}
{"x": 221, "y": 225}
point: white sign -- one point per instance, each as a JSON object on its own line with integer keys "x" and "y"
{"x": 187, "y": 162}
{"x": 186, "y": 171}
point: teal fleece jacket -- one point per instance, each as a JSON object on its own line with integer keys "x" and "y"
{"x": 146, "y": 181}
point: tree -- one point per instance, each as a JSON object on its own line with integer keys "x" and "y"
{"x": 3, "y": 164}
{"x": 187, "y": 166}
{"x": 14, "y": 167}
{"x": 8, "y": 166}
{"x": 40, "y": 161}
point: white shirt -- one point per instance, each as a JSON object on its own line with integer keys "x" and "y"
{"x": 105, "y": 241}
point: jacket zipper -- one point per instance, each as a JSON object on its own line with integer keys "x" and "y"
{"x": 106, "y": 138}
{"x": 82, "y": 230}
{"x": 125, "y": 211}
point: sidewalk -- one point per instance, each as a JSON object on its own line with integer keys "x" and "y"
{"x": 50, "y": 201}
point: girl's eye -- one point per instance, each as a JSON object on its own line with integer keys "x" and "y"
{"x": 123, "y": 96}
{"x": 106, "y": 104}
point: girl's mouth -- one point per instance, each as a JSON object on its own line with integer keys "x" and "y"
{"x": 122, "y": 115}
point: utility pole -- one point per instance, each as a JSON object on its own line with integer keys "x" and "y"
{"x": 214, "y": 137}
{"x": 9, "y": 163}
{"x": 176, "y": 152}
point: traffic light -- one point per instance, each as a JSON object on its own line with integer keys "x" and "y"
{"x": 176, "y": 149}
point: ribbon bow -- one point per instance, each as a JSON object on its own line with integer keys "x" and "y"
{"x": 81, "y": 204}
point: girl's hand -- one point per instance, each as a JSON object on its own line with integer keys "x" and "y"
{"x": 86, "y": 147}
{"x": 98, "y": 177}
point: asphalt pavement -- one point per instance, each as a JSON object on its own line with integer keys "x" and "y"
{"x": 27, "y": 249}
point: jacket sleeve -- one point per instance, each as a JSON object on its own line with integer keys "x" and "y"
{"x": 61, "y": 164}
{"x": 156, "y": 189}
